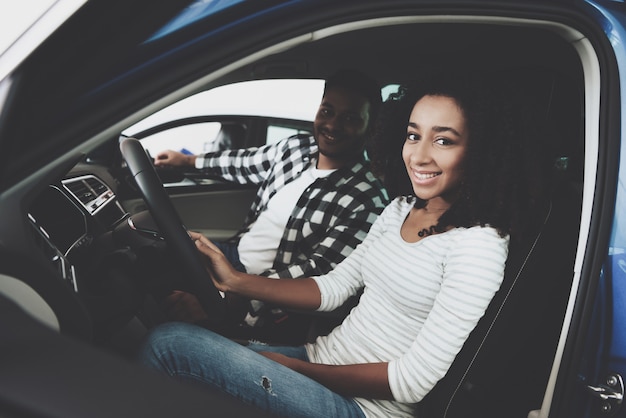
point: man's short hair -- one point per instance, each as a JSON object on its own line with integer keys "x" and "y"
{"x": 357, "y": 82}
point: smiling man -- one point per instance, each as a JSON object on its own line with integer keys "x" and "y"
{"x": 316, "y": 201}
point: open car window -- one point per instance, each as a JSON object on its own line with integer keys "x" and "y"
{"x": 238, "y": 115}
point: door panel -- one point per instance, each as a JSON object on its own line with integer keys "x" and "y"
{"x": 217, "y": 214}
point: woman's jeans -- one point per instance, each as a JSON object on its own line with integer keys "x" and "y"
{"x": 190, "y": 353}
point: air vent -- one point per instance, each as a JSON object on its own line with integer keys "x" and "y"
{"x": 90, "y": 191}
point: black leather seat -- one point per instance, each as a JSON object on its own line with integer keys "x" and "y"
{"x": 503, "y": 368}
{"x": 230, "y": 136}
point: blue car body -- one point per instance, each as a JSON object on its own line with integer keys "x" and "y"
{"x": 92, "y": 78}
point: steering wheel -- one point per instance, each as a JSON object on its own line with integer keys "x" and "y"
{"x": 171, "y": 227}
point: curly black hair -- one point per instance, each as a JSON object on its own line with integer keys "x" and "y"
{"x": 505, "y": 177}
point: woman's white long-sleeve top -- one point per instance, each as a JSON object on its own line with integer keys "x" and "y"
{"x": 420, "y": 302}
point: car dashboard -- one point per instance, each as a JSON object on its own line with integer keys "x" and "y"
{"x": 77, "y": 234}
{"x": 67, "y": 217}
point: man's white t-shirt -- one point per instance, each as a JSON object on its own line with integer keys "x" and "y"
{"x": 257, "y": 247}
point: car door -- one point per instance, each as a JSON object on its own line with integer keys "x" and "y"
{"x": 235, "y": 116}
{"x": 589, "y": 378}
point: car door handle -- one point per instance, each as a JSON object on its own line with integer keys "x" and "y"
{"x": 605, "y": 393}
{"x": 611, "y": 393}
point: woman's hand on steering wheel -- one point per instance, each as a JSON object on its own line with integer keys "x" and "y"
{"x": 221, "y": 271}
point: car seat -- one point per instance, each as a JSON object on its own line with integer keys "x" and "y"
{"x": 503, "y": 368}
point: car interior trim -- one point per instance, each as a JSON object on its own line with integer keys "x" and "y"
{"x": 29, "y": 300}
{"x": 46, "y": 24}
{"x": 591, "y": 71}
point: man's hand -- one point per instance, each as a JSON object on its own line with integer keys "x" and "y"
{"x": 171, "y": 158}
{"x": 183, "y": 306}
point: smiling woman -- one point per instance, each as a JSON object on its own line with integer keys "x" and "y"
{"x": 433, "y": 153}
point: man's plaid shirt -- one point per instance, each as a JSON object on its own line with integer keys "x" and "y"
{"x": 330, "y": 219}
